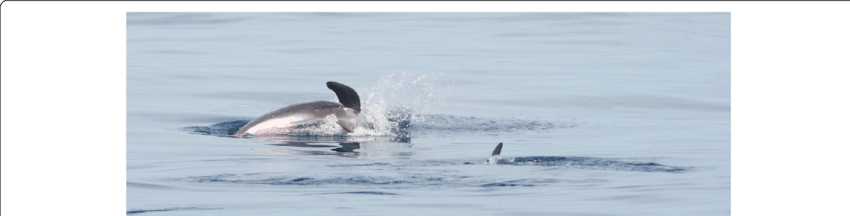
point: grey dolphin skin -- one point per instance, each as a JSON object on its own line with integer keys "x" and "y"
{"x": 498, "y": 150}
{"x": 288, "y": 118}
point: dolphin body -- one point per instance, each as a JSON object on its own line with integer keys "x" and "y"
{"x": 494, "y": 157}
{"x": 298, "y": 115}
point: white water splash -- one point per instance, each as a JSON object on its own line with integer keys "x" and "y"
{"x": 494, "y": 159}
{"x": 396, "y": 98}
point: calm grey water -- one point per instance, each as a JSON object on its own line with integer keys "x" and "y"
{"x": 599, "y": 113}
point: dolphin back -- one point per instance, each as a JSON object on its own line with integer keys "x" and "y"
{"x": 346, "y": 95}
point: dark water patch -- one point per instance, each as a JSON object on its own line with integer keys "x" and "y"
{"x": 366, "y": 193}
{"x": 129, "y": 212}
{"x": 241, "y": 179}
{"x": 506, "y": 184}
{"x": 591, "y": 163}
{"x": 252, "y": 174}
{"x": 300, "y": 179}
{"x": 359, "y": 165}
{"x": 358, "y": 181}
{"x": 216, "y": 178}
{"x": 519, "y": 183}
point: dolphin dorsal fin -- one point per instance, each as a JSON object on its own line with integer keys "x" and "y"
{"x": 346, "y": 95}
{"x": 498, "y": 150}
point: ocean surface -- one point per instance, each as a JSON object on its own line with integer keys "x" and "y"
{"x": 599, "y": 113}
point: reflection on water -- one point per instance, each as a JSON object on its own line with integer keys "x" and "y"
{"x": 304, "y": 152}
{"x": 343, "y": 149}
{"x": 302, "y": 145}
{"x": 347, "y": 147}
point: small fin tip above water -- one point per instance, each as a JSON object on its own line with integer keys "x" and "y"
{"x": 498, "y": 150}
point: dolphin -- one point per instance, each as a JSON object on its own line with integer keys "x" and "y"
{"x": 495, "y": 157}
{"x": 298, "y": 115}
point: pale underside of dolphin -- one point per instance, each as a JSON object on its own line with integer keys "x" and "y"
{"x": 294, "y": 116}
